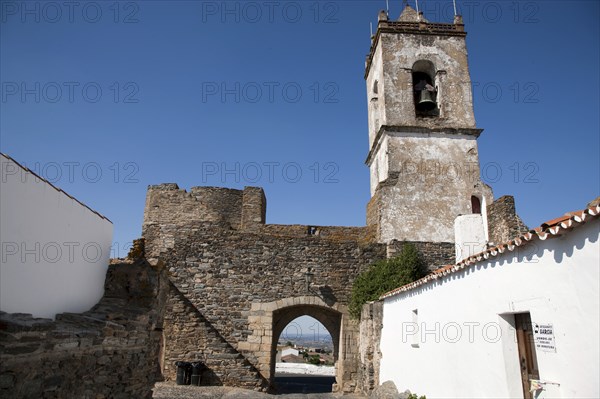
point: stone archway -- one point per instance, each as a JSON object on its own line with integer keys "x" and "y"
{"x": 268, "y": 319}
{"x": 331, "y": 320}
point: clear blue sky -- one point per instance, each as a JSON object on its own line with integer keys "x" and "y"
{"x": 162, "y": 116}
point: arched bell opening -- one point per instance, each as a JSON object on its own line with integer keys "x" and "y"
{"x": 425, "y": 89}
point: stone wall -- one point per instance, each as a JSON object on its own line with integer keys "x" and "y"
{"x": 371, "y": 324}
{"x": 167, "y": 204}
{"x": 110, "y": 351}
{"x": 190, "y": 337}
{"x": 219, "y": 274}
{"x": 503, "y": 222}
{"x": 254, "y": 208}
{"x": 331, "y": 233}
{"x": 435, "y": 254}
{"x": 235, "y": 281}
{"x": 373, "y": 212}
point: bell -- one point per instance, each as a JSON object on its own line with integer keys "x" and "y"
{"x": 426, "y": 101}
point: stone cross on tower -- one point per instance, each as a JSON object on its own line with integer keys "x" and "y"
{"x": 422, "y": 135}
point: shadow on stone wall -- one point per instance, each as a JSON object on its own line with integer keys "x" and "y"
{"x": 191, "y": 337}
{"x": 110, "y": 351}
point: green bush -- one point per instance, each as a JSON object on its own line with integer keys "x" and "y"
{"x": 386, "y": 275}
{"x": 414, "y": 396}
{"x": 315, "y": 359}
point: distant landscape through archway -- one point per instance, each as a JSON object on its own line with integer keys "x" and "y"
{"x": 305, "y": 350}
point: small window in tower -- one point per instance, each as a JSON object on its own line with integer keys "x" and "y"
{"x": 376, "y": 87}
{"x": 313, "y": 231}
{"x": 424, "y": 89}
{"x": 476, "y": 204}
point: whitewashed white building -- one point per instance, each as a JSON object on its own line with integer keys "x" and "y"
{"x": 290, "y": 351}
{"x": 517, "y": 320}
{"x": 54, "y": 249}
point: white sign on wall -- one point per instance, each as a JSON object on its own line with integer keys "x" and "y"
{"x": 544, "y": 337}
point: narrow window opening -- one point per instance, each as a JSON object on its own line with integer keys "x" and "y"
{"x": 475, "y": 204}
{"x": 313, "y": 231}
{"x": 415, "y": 336}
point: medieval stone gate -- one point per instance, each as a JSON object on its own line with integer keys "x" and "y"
{"x": 236, "y": 282}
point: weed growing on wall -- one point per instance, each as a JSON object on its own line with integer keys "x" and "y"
{"x": 386, "y": 275}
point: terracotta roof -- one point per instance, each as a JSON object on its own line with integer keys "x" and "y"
{"x": 552, "y": 228}
{"x": 54, "y": 187}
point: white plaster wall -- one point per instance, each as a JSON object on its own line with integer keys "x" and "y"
{"x": 301, "y": 368}
{"x": 484, "y": 205}
{"x": 556, "y": 280}
{"x": 290, "y": 351}
{"x": 55, "y": 251}
{"x": 380, "y": 165}
{"x": 376, "y": 113}
{"x": 470, "y": 238}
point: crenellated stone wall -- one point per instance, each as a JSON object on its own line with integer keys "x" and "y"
{"x": 167, "y": 204}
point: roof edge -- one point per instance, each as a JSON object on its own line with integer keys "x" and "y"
{"x": 60, "y": 190}
{"x": 549, "y": 229}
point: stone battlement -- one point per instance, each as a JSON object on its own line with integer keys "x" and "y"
{"x": 170, "y": 207}
{"x": 229, "y": 208}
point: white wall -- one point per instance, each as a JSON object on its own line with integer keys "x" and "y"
{"x": 379, "y": 168}
{"x": 290, "y": 351}
{"x": 54, "y": 251}
{"x": 556, "y": 280}
{"x": 301, "y": 368}
{"x": 470, "y": 236}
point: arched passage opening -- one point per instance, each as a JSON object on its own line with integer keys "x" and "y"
{"x": 267, "y": 320}
{"x": 330, "y": 319}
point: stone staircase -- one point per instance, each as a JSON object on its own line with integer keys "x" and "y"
{"x": 191, "y": 337}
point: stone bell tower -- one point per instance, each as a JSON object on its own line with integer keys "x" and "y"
{"x": 422, "y": 134}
